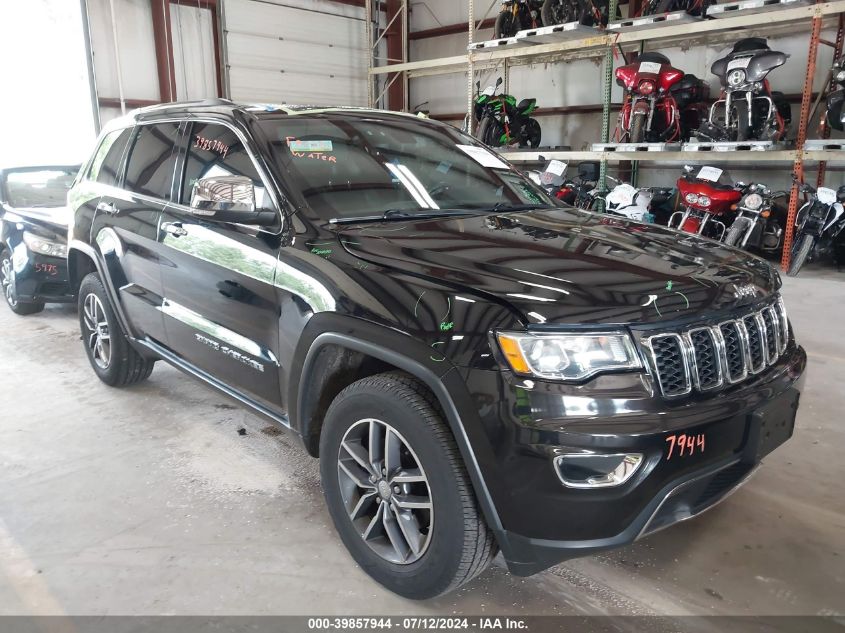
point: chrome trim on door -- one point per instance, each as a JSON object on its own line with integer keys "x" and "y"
{"x": 199, "y": 322}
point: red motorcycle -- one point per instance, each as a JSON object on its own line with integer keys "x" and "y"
{"x": 649, "y": 112}
{"x": 706, "y": 195}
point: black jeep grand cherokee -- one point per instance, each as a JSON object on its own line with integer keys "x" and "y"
{"x": 477, "y": 367}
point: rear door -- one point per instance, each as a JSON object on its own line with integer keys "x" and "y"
{"x": 220, "y": 305}
{"x": 126, "y": 226}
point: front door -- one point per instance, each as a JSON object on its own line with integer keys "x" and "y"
{"x": 220, "y": 305}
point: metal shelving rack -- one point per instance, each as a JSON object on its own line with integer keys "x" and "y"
{"x": 600, "y": 43}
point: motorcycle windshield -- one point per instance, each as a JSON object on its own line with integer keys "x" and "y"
{"x": 714, "y": 175}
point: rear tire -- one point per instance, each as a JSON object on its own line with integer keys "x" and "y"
{"x": 8, "y": 288}
{"x": 112, "y": 358}
{"x": 800, "y": 252}
{"x": 533, "y": 133}
{"x": 444, "y": 541}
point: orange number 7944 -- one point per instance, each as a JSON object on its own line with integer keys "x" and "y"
{"x": 684, "y": 445}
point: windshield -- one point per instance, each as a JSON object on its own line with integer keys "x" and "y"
{"x": 42, "y": 188}
{"x": 348, "y": 167}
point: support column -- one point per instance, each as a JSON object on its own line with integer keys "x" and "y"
{"x": 163, "y": 50}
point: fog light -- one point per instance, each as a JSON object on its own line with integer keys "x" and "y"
{"x": 597, "y": 471}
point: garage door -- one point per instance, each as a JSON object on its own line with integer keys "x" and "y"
{"x": 284, "y": 54}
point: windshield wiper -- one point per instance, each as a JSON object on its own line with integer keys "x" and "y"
{"x": 402, "y": 214}
{"x": 506, "y": 206}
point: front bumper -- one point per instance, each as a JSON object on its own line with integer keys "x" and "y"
{"x": 529, "y": 423}
{"x": 39, "y": 278}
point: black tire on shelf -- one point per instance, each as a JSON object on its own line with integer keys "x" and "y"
{"x": 638, "y": 127}
{"x": 739, "y": 115}
{"x": 445, "y": 541}
{"x": 112, "y": 358}
{"x": 736, "y": 232}
{"x": 556, "y": 12}
{"x": 505, "y": 25}
{"x": 8, "y": 290}
{"x": 800, "y": 252}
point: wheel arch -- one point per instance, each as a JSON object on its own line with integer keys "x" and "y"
{"x": 83, "y": 259}
{"x": 377, "y": 349}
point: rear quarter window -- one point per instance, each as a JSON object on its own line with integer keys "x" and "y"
{"x": 107, "y": 160}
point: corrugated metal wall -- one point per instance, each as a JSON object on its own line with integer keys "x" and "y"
{"x": 295, "y": 52}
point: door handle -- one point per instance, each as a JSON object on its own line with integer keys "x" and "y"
{"x": 174, "y": 228}
{"x": 107, "y": 207}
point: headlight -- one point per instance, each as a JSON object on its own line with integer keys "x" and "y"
{"x": 840, "y": 76}
{"x": 44, "y": 247}
{"x": 736, "y": 77}
{"x": 754, "y": 201}
{"x": 691, "y": 198}
{"x": 568, "y": 356}
{"x": 703, "y": 201}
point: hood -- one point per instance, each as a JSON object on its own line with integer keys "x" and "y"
{"x": 570, "y": 266}
{"x": 56, "y": 218}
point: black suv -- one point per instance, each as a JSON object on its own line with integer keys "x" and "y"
{"x": 478, "y": 367}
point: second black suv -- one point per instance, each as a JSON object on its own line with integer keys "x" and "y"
{"x": 477, "y": 367}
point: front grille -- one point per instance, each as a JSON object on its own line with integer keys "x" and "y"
{"x": 706, "y": 358}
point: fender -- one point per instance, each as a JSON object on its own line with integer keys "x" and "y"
{"x": 442, "y": 378}
{"x": 102, "y": 270}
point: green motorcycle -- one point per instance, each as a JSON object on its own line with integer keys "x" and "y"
{"x": 502, "y": 121}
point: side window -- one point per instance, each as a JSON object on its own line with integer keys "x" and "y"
{"x": 215, "y": 150}
{"x": 152, "y": 160}
{"x": 106, "y": 163}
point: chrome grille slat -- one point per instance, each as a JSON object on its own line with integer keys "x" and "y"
{"x": 709, "y": 357}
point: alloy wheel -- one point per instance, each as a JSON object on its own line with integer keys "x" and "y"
{"x": 98, "y": 337}
{"x": 385, "y": 491}
{"x": 7, "y": 281}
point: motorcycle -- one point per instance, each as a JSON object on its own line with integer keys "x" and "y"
{"x": 516, "y": 16}
{"x": 818, "y": 225}
{"x": 587, "y": 12}
{"x": 582, "y": 192}
{"x": 748, "y": 109}
{"x": 502, "y": 122}
{"x": 758, "y": 224}
{"x": 706, "y": 197}
{"x": 649, "y": 112}
{"x": 693, "y": 7}
{"x": 692, "y": 96}
{"x": 633, "y": 203}
{"x": 835, "y": 116}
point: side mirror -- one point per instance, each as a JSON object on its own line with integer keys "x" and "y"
{"x": 228, "y": 199}
{"x": 478, "y": 86}
{"x": 688, "y": 169}
{"x": 499, "y": 82}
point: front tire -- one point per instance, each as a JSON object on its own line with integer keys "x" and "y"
{"x": 112, "y": 358}
{"x": 398, "y": 491}
{"x": 741, "y": 128}
{"x": 735, "y": 233}
{"x": 800, "y": 252}
{"x": 638, "y": 127}
{"x": 505, "y": 25}
{"x": 9, "y": 290}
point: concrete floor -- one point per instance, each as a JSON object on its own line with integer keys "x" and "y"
{"x": 147, "y": 501}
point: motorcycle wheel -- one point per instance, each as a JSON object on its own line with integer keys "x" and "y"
{"x": 735, "y": 233}
{"x": 505, "y": 25}
{"x": 739, "y": 113}
{"x": 556, "y": 12}
{"x": 637, "y": 127}
{"x": 531, "y": 134}
{"x": 800, "y": 252}
{"x": 490, "y": 132}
